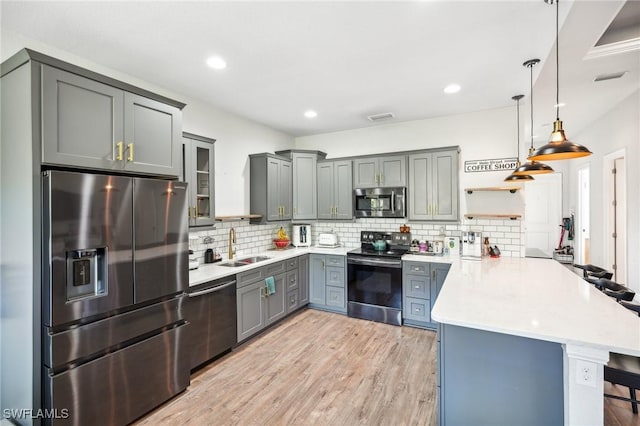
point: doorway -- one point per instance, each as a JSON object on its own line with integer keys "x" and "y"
{"x": 616, "y": 215}
{"x": 583, "y": 246}
{"x": 543, "y": 215}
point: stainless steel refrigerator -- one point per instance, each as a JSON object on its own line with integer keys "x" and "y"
{"x": 115, "y": 273}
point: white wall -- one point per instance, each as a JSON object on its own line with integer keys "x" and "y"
{"x": 236, "y": 137}
{"x": 481, "y": 135}
{"x": 618, "y": 129}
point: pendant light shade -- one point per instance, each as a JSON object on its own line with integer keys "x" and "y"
{"x": 559, "y": 147}
{"x": 532, "y": 167}
{"x": 513, "y": 176}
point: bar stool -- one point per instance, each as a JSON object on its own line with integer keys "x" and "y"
{"x": 624, "y": 370}
{"x": 593, "y": 270}
{"x": 615, "y": 290}
{"x": 631, "y": 306}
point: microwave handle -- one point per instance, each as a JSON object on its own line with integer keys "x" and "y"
{"x": 393, "y": 201}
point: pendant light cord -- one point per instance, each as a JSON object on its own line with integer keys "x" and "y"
{"x": 518, "y": 127}
{"x": 557, "y": 61}
{"x": 531, "y": 102}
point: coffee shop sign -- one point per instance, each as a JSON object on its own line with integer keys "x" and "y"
{"x": 493, "y": 165}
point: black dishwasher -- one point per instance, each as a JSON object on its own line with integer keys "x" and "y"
{"x": 211, "y": 310}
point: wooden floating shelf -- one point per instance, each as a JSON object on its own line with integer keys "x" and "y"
{"x": 238, "y": 217}
{"x": 511, "y": 189}
{"x": 494, "y": 216}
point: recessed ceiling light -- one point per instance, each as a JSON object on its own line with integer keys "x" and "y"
{"x": 217, "y": 63}
{"x": 310, "y": 114}
{"x": 560, "y": 105}
{"x": 452, "y": 88}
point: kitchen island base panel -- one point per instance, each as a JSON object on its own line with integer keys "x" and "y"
{"x": 488, "y": 378}
{"x": 584, "y": 384}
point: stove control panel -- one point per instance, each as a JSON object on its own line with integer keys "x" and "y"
{"x": 393, "y": 238}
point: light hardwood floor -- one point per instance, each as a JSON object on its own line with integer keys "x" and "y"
{"x": 326, "y": 369}
{"x": 315, "y": 368}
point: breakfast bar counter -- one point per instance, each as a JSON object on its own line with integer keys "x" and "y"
{"x": 523, "y": 321}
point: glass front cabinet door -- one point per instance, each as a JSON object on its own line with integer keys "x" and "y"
{"x": 198, "y": 172}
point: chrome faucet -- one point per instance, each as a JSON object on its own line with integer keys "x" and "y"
{"x": 232, "y": 240}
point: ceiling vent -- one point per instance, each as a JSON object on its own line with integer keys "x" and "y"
{"x": 612, "y": 76}
{"x": 381, "y": 117}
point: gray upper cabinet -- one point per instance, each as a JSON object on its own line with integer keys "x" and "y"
{"x": 335, "y": 200}
{"x": 93, "y": 125}
{"x": 433, "y": 185}
{"x": 271, "y": 187}
{"x": 387, "y": 171}
{"x": 198, "y": 172}
{"x": 304, "y": 163}
{"x": 152, "y": 134}
{"x": 82, "y": 120}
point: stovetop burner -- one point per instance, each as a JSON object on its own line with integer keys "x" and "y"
{"x": 396, "y": 244}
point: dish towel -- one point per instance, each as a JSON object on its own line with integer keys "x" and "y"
{"x": 271, "y": 285}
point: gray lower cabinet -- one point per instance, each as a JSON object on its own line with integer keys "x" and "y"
{"x": 433, "y": 185}
{"x": 250, "y": 309}
{"x": 421, "y": 284}
{"x": 305, "y": 185}
{"x": 257, "y": 310}
{"x": 270, "y": 187}
{"x": 89, "y": 124}
{"x": 328, "y": 282}
{"x": 335, "y": 200}
{"x": 198, "y": 172}
{"x": 387, "y": 171}
{"x": 303, "y": 280}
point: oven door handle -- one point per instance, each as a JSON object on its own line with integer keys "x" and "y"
{"x": 375, "y": 262}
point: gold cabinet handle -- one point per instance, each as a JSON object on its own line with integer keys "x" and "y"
{"x": 195, "y": 211}
{"x": 295, "y": 210}
{"x": 323, "y": 265}
{"x": 130, "y": 150}
{"x": 189, "y": 211}
{"x": 120, "y": 154}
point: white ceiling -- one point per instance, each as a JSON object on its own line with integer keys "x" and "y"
{"x": 346, "y": 60}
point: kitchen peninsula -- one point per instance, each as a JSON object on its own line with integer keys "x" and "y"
{"x": 528, "y": 327}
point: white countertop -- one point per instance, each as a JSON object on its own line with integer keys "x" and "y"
{"x": 211, "y": 271}
{"x": 534, "y": 298}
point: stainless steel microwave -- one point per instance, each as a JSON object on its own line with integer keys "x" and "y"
{"x": 380, "y": 202}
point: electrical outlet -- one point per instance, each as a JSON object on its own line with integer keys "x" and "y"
{"x": 586, "y": 373}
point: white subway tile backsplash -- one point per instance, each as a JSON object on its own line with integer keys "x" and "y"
{"x": 253, "y": 239}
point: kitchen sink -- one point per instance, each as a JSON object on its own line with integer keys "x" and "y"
{"x": 234, "y": 264}
{"x": 245, "y": 261}
{"x": 253, "y": 259}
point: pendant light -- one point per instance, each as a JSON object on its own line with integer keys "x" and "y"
{"x": 559, "y": 147}
{"x": 532, "y": 167}
{"x": 513, "y": 176}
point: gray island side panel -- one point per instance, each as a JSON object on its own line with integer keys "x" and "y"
{"x": 495, "y": 379}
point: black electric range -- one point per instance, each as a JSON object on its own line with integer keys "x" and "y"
{"x": 374, "y": 276}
